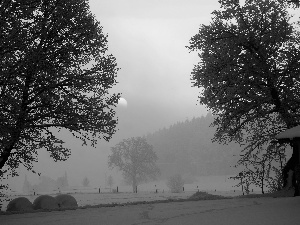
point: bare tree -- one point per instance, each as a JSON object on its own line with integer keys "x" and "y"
{"x": 136, "y": 159}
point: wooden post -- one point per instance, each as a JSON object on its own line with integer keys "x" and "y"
{"x": 241, "y": 176}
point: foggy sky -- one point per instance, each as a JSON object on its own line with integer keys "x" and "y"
{"x": 148, "y": 39}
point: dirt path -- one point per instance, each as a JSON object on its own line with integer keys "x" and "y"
{"x": 230, "y": 211}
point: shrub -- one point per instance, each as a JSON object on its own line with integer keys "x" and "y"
{"x": 19, "y": 204}
{"x": 85, "y": 182}
{"x": 175, "y": 183}
{"x": 45, "y": 202}
{"x": 205, "y": 196}
{"x": 66, "y": 201}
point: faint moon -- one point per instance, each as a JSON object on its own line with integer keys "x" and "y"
{"x": 122, "y": 102}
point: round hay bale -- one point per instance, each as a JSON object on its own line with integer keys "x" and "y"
{"x": 19, "y": 204}
{"x": 45, "y": 202}
{"x": 66, "y": 201}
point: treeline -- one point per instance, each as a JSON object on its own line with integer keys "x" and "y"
{"x": 46, "y": 184}
{"x": 186, "y": 148}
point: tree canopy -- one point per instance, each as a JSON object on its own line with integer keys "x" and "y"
{"x": 249, "y": 69}
{"x": 55, "y": 73}
{"x": 136, "y": 159}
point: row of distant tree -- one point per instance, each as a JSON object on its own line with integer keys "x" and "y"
{"x": 187, "y": 148}
{"x": 46, "y": 184}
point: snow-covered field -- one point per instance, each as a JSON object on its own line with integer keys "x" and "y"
{"x": 85, "y": 199}
{"x": 218, "y": 185}
{"x": 236, "y": 211}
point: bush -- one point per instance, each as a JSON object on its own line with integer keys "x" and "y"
{"x": 66, "y": 201}
{"x": 205, "y": 196}
{"x": 19, "y": 204}
{"x": 45, "y": 202}
{"x": 175, "y": 183}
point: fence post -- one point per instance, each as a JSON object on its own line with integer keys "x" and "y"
{"x": 183, "y": 188}
{"x": 117, "y": 189}
{"x": 135, "y": 189}
{"x": 99, "y": 190}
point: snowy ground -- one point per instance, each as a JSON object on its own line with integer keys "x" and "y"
{"x": 85, "y": 199}
{"x": 218, "y": 185}
{"x": 234, "y": 211}
{"x": 246, "y": 211}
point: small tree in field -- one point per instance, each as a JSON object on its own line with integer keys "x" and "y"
{"x": 85, "y": 182}
{"x": 175, "y": 183}
{"x": 110, "y": 181}
{"x": 136, "y": 159}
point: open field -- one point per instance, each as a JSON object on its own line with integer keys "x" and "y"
{"x": 163, "y": 207}
{"x": 235, "y": 211}
{"x": 91, "y": 199}
{"x": 217, "y": 185}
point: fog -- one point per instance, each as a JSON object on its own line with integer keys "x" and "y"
{"x": 148, "y": 39}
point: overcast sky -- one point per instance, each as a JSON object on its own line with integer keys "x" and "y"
{"x": 148, "y": 39}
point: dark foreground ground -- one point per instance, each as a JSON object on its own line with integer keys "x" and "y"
{"x": 234, "y": 211}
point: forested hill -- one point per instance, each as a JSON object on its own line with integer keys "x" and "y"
{"x": 187, "y": 148}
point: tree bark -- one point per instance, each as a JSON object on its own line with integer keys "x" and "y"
{"x": 4, "y": 156}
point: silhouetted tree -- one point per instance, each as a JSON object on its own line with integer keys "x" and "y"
{"x": 55, "y": 73}
{"x": 249, "y": 71}
{"x": 136, "y": 159}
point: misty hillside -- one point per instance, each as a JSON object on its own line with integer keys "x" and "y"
{"x": 186, "y": 148}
